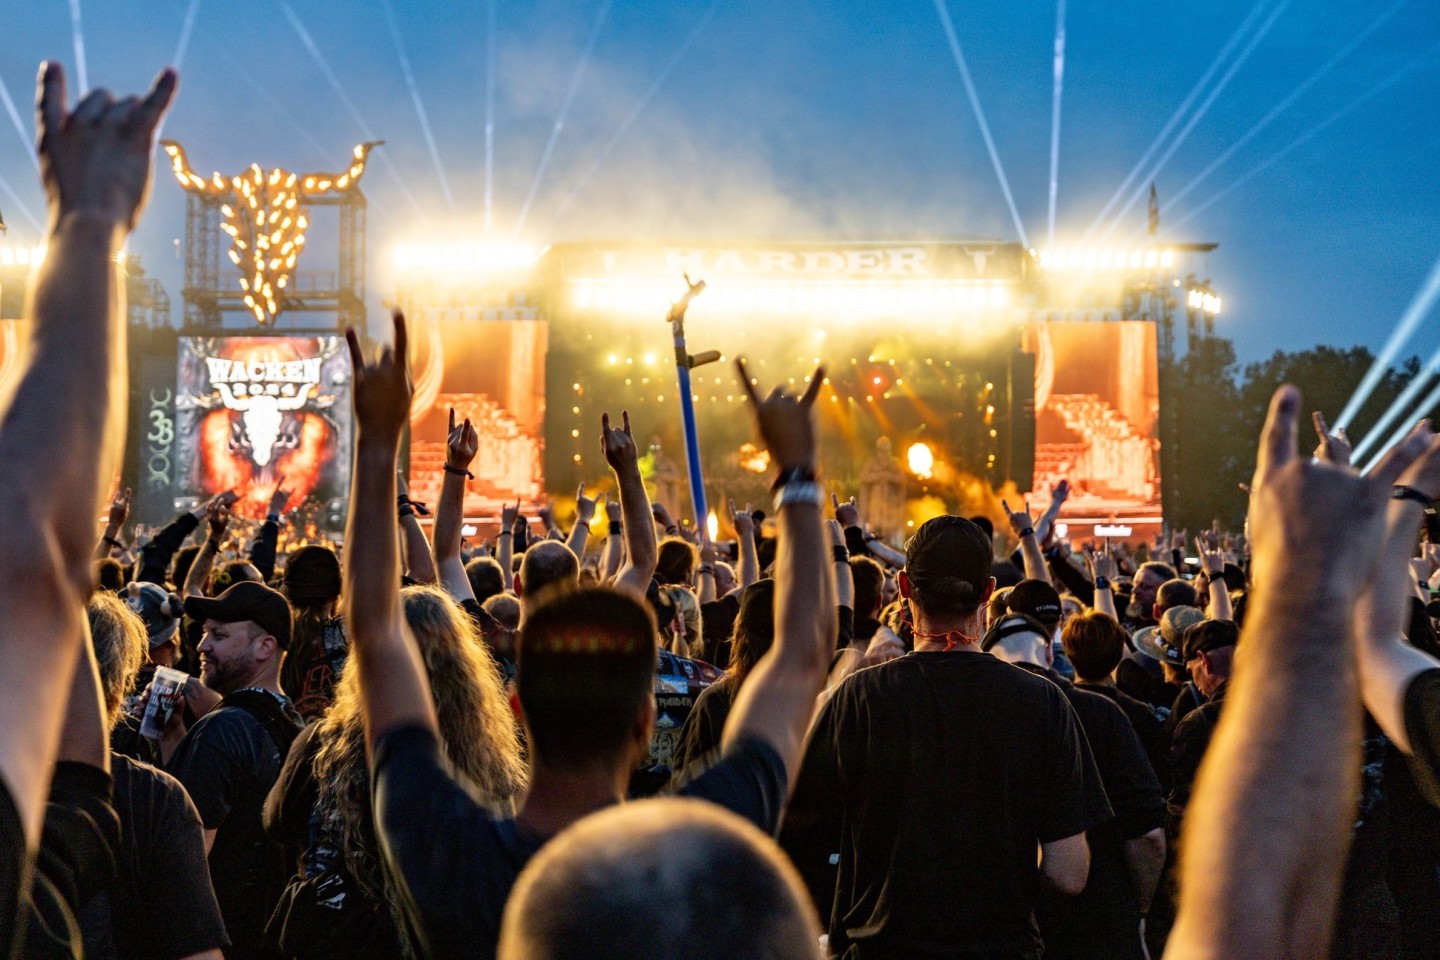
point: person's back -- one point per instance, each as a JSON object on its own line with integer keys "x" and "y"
{"x": 953, "y": 766}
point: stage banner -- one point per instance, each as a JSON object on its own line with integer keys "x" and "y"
{"x": 254, "y": 413}
{"x": 152, "y": 468}
{"x": 1097, "y": 407}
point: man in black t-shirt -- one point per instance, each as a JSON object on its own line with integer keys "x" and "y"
{"x": 584, "y": 678}
{"x": 229, "y": 760}
{"x": 1127, "y": 851}
{"x": 937, "y": 776}
{"x": 161, "y": 905}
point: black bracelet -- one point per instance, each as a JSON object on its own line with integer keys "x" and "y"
{"x": 840, "y": 553}
{"x": 505, "y": 533}
{"x": 706, "y": 570}
{"x": 272, "y": 518}
{"x": 459, "y": 472}
{"x": 1399, "y": 492}
{"x": 114, "y": 543}
{"x": 1027, "y": 532}
{"x": 794, "y": 475}
{"x": 617, "y": 529}
{"x": 673, "y": 530}
{"x": 405, "y": 511}
{"x": 1102, "y": 583}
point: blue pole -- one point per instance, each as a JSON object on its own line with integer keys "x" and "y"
{"x": 692, "y": 439}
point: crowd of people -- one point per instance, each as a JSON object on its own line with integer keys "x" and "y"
{"x": 616, "y": 744}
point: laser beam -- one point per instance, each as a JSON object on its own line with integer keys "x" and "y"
{"x": 959, "y": 56}
{"x": 1199, "y": 114}
{"x": 183, "y": 45}
{"x": 1431, "y": 399}
{"x": 415, "y": 98}
{"x": 77, "y": 36}
{"x": 559, "y": 125}
{"x": 1059, "y": 88}
{"x": 1284, "y": 104}
{"x": 1411, "y": 319}
{"x": 19, "y": 204}
{"x": 634, "y": 114}
{"x": 1179, "y": 114}
{"x": 1310, "y": 134}
{"x": 19, "y": 125}
{"x": 489, "y": 114}
{"x": 339, "y": 89}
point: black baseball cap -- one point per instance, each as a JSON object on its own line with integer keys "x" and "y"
{"x": 949, "y": 546}
{"x": 1208, "y": 635}
{"x": 1037, "y": 599}
{"x": 247, "y": 600}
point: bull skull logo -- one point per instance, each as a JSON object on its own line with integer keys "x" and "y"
{"x": 265, "y": 216}
{"x": 263, "y": 392}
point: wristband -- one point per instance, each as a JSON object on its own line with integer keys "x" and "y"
{"x": 114, "y": 543}
{"x": 459, "y": 472}
{"x": 706, "y": 571}
{"x": 841, "y": 554}
{"x": 1027, "y": 532}
{"x": 808, "y": 493}
{"x": 505, "y": 533}
{"x": 272, "y": 518}
{"x": 794, "y": 475}
{"x": 213, "y": 544}
{"x": 871, "y": 538}
{"x": 1102, "y": 583}
{"x": 673, "y": 530}
{"x": 1399, "y": 492}
{"x": 617, "y": 528}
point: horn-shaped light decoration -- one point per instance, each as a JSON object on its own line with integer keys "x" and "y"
{"x": 266, "y": 218}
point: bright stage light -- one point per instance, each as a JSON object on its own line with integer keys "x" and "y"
{"x": 921, "y": 459}
{"x": 712, "y": 526}
{"x": 21, "y": 256}
{"x": 1204, "y": 301}
{"x": 465, "y": 258}
{"x": 853, "y": 299}
{"x": 1098, "y": 259}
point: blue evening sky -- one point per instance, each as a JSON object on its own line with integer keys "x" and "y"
{"x": 804, "y": 119}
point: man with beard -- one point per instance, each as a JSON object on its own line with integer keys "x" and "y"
{"x": 231, "y": 757}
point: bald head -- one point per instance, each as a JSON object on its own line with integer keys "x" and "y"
{"x": 660, "y": 879}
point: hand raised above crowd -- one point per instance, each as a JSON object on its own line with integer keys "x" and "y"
{"x": 217, "y": 519}
{"x": 584, "y": 506}
{"x": 462, "y": 443}
{"x": 119, "y": 509}
{"x": 1334, "y": 445}
{"x": 742, "y": 520}
{"x": 382, "y": 385}
{"x": 95, "y": 160}
{"x": 846, "y": 513}
{"x": 785, "y": 421}
{"x": 618, "y": 445}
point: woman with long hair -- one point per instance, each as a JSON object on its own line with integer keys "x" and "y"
{"x": 322, "y": 800}
{"x": 318, "y": 644}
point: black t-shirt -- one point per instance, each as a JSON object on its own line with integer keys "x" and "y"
{"x": 1187, "y": 750}
{"x": 161, "y": 906}
{"x": 14, "y": 872}
{"x": 935, "y": 776}
{"x": 1147, "y": 727}
{"x": 456, "y": 860}
{"x": 704, "y": 727}
{"x": 1422, "y": 723}
{"x": 228, "y": 762}
{"x": 1145, "y": 685}
{"x": 1104, "y": 919}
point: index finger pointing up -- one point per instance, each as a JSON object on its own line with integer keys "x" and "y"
{"x": 745, "y": 381}
{"x": 50, "y": 104}
{"x": 813, "y": 391}
{"x": 1277, "y": 438}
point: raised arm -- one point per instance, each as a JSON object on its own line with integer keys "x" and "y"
{"x": 844, "y": 575}
{"x": 1268, "y": 828}
{"x": 777, "y": 700}
{"x": 419, "y": 563}
{"x": 1213, "y": 563}
{"x": 61, "y": 434}
{"x": 267, "y": 541}
{"x": 1024, "y": 527}
{"x": 505, "y": 540}
{"x": 1045, "y": 526}
{"x": 462, "y": 444}
{"x": 584, "y": 514}
{"x": 640, "y": 548}
{"x": 217, "y": 520}
{"x": 114, "y": 521}
{"x": 614, "y": 552}
{"x": 394, "y": 690}
{"x": 705, "y": 575}
{"x": 744, "y": 523}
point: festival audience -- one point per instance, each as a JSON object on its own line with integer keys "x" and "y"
{"x": 954, "y": 794}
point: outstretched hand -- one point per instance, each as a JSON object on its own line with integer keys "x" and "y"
{"x": 95, "y": 160}
{"x": 1334, "y": 446}
{"x": 278, "y": 500}
{"x": 461, "y": 444}
{"x": 742, "y": 520}
{"x": 584, "y": 506}
{"x": 508, "y": 516}
{"x": 119, "y": 509}
{"x": 217, "y": 516}
{"x": 619, "y": 445}
{"x": 786, "y": 422}
{"x": 382, "y": 386}
{"x": 846, "y": 513}
{"x": 1020, "y": 520}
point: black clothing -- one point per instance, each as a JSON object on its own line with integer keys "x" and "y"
{"x": 161, "y": 906}
{"x": 75, "y": 864}
{"x": 1422, "y": 724}
{"x": 1192, "y": 739}
{"x": 1145, "y": 686}
{"x": 455, "y": 861}
{"x": 1104, "y": 919}
{"x": 717, "y": 622}
{"x": 228, "y": 762}
{"x": 864, "y": 632}
{"x": 1147, "y": 727}
{"x": 700, "y": 736}
{"x": 934, "y": 776}
{"x": 1185, "y": 701}
{"x": 156, "y": 555}
{"x": 14, "y": 873}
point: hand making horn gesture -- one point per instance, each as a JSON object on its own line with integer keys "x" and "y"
{"x": 382, "y": 385}
{"x": 786, "y": 422}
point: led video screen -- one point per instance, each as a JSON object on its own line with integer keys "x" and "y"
{"x": 254, "y": 413}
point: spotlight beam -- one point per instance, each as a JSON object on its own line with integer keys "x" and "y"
{"x": 1431, "y": 399}
{"x": 77, "y": 37}
{"x": 1310, "y": 134}
{"x": 600, "y": 18}
{"x": 959, "y": 56}
{"x": 335, "y": 84}
{"x": 1198, "y": 115}
{"x": 634, "y": 115}
{"x": 1059, "y": 88}
{"x": 1414, "y": 314}
{"x": 20, "y": 204}
{"x": 19, "y": 124}
{"x": 183, "y": 45}
{"x": 489, "y": 114}
{"x": 415, "y": 98}
{"x": 1284, "y": 104}
{"x": 1179, "y": 114}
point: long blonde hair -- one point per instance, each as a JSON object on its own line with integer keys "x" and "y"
{"x": 477, "y": 733}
